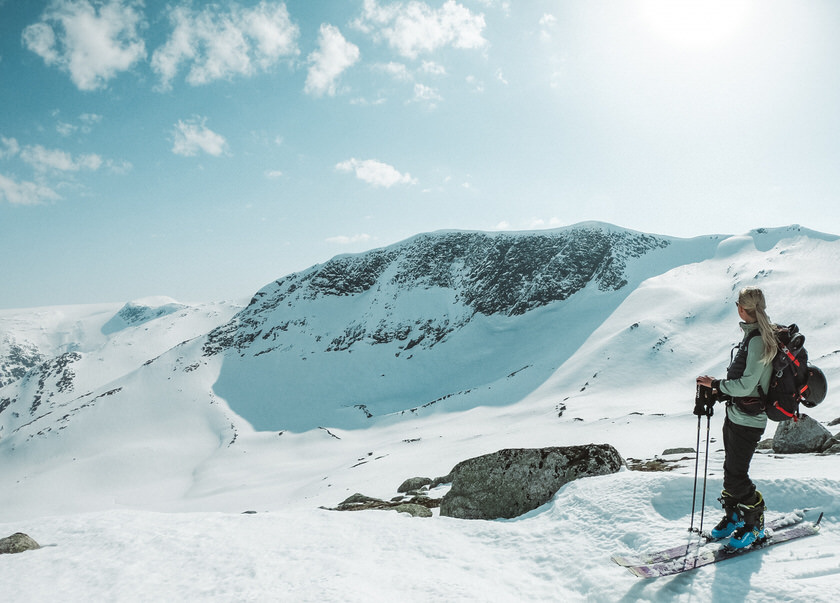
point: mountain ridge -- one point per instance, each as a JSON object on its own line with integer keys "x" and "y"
{"x": 491, "y": 274}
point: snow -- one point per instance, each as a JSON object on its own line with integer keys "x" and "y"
{"x": 559, "y": 552}
{"x": 141, "y": 495}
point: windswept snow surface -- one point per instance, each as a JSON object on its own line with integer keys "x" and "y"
{"x": 139, "y": 495}
{"x": 560, "y": 552}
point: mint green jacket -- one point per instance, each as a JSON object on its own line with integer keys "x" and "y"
{"x": 756, "y": 373}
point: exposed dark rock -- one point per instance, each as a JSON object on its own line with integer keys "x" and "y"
{"x": 656, "y": 464}
{"x": 414, "y": 483}
{"x": 445, "y": 479}
{"x": 489, "y": 273}
{"x": 804, "y": 435}
{"x": 413, "y": 510}
{"x": 511, "y": 482}
{"x": 17, "y": 543}
{"x": 677, "y": 451}
{"x": 766, "y": 444}
{"x": 53, "y": 376}
{"x": 360, "y": 502}
{"x": 19, "y": 359}
{"x": 133, "y": 315}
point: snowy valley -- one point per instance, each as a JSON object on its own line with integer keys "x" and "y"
{"x": 135, "y": 437}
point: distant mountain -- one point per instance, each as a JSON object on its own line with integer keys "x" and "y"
{"x": 430, "y": 318}
{"x": 482, "y": 273}
{"x": 49, "y": 356}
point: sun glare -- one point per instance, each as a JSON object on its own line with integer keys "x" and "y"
{"x": 696, "y": 23}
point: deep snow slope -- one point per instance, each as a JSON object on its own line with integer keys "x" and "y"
{"x": 422, "y": 321}
{"x": 368, "y": 369}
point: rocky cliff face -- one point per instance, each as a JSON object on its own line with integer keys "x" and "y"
{"x": 480, "y": 273}
{"x": 16, "y": 358}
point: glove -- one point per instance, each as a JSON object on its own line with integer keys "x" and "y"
{"x": 704, "y": 401}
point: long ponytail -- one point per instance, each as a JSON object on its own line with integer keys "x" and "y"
{"x": 751, "y": 299}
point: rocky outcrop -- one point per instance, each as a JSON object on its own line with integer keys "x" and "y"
{"x": 485, "y": 273}
{"x": 413, "y": 509}
{"x": 16, "y": 359}
{"x": 17, "y": 543}
{"x": 50, "y": 378}
{"x": 414, "y": 483}
{"x": 511, "y": 482}
{"x": 419, "y": 505}
{"x": 134, "y": 314}
{"x": 804, "y": 435}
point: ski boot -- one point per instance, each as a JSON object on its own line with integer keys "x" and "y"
{"x": 753, "y": 528}
{"x": 731, "y": 519}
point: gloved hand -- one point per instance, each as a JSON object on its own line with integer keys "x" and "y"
{"x": 704, "y": 401}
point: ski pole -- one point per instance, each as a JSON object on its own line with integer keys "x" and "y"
{"x": 697, "y": 401}
{"x": 709, "y": 413}
{"x": 696, "y": 469}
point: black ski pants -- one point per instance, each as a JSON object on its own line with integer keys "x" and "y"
{"x": 739, "y": 444}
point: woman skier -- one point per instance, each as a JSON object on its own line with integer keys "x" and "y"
{"x": 750, "y": 370}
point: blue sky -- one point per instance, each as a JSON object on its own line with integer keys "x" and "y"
{"x": 202, "y": 150}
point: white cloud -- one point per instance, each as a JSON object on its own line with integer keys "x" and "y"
{"x": 414, "y": 27}
{"x": 119, "y": 167}
{"x": 90, "y": 118}
{"x": 193, "y": 137}
{"x": 426, "y": 94}
{"x": 93, "y": 42}
{"x": 398, "y": 71}
{"x": 433, "y": 68}
{"x": 43, "y": 159}
{"x": 273, "y": 174}
{"x": 25, "y": 193}
{"x": 547, "y": 24}
{"x": 349, "y": 240}
{"x": 9, "y": 147}
{"x": 333, "y": 57}
{"x": 363, "y": 102}
{"x": 474, "y": 83}
{"x": 375, "y": 172}
{"x": 65, "y": 129}
{"x": 87, "y": 121}
{"x": 219, "y": 45}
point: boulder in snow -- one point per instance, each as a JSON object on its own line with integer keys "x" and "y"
{"x": 414, "y": 483}
{"x": 511, "y": 482}
{"x": 804, "y": 435}
{"x": 17, "y": 543}
{"x": 413, "y": 509}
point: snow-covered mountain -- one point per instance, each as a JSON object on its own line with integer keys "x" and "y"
{"x": 370, "y": 368}
{"x": 430, "y": 321}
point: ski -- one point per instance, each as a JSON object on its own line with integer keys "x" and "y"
{"x": 682, "y": 550}
{"x": 709, "y": 555}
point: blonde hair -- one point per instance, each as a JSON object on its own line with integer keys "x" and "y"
{"x": 751, "y": 300}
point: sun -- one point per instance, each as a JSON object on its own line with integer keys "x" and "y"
{"x": 696, "y": 23}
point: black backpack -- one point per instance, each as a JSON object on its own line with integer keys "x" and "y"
{"x": 789, "y": 383}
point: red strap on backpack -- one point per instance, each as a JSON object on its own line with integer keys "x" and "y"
{"x": 792, "y": 415}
